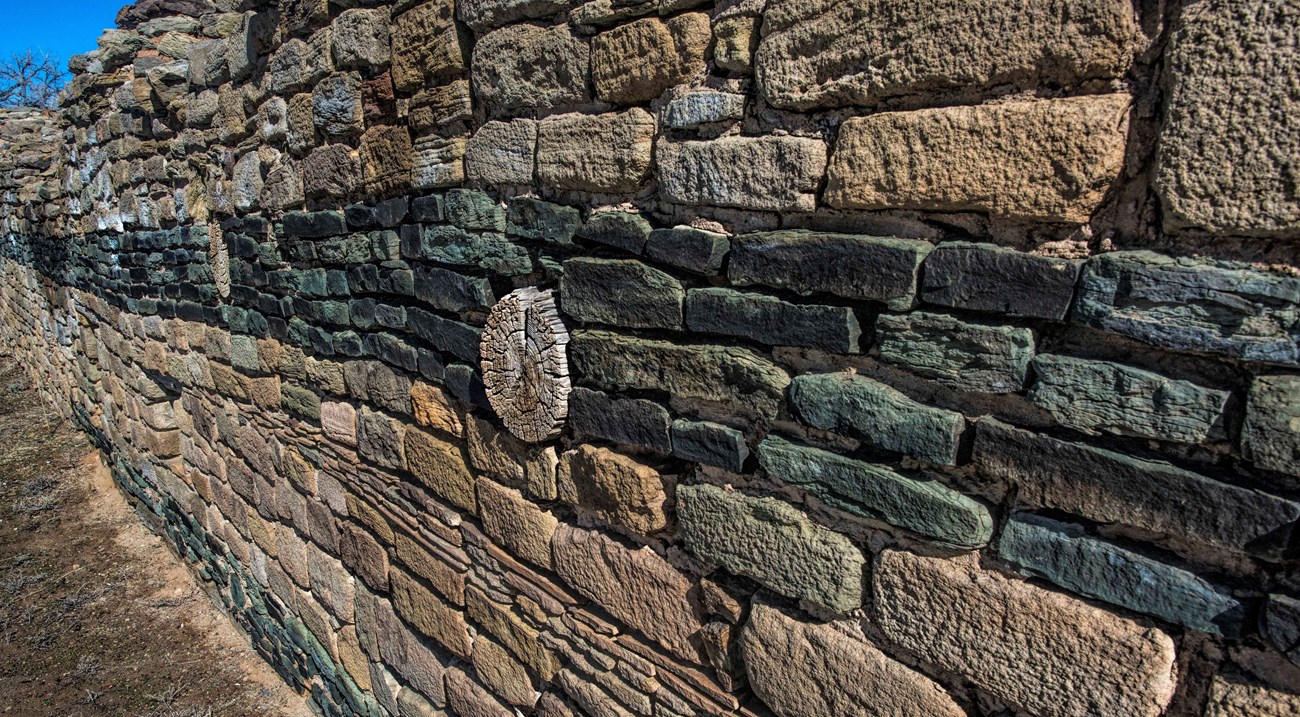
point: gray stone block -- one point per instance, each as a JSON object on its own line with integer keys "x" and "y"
{"x": 695, "y": 250}
{"x": 623, "y": 420}
{"x": 709, "y": 443}
{"x": 1270, "y": 437}
{"x": 621, "y": 292}
{"x": 964, "y": 356}
{"x": 986, "y": 277}
{"x": 769, "y": 320}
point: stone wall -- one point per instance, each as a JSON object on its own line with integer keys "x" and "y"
{"x": 917, "y": 358}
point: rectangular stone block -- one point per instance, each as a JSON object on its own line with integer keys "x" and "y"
{"x": 877, "y": 415}
{"x": 710, "y": 443}
{"x": 986, "y": 277}
{"x": 633, "y": 421}
{"x": 769, "y": 173}
{"x": 1064, "y": 554}
{"x": 432, "y": 616}
{"x": 769, "y": 320}
{"x": 728, "y": 376}
{"x": 1021, "y": 642}
{"x": 425, "y": 45}
{"x": 821, "y": 53}
{"x": 685, "y": 247}
{"x": 625, "y": 230}
{"x": 771, "y": 542}
{"x": 613, "y": 488}
{"x": 1110, "y": 487}
{"x": 1192, "y": 305}
{"x": 928, "y": 508}
{"x": 621, "y": 292}
{"x": 964, "y": 356}
{"x": 439, "y": 465}
{"x": 638, "y": 61}
{"x": 1042, "y": 160}
{"x": 449, "y": 291}
{"x": 518, "y": 525}
{"x": 596, "y": 153}
{"x": 880, "y": 269}
{"x": 1270, "y": 437}
{"x": 1104, "y": 397}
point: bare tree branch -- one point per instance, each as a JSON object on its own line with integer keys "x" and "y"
{"x": 30, "y": 79}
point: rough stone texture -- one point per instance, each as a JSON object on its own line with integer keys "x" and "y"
{"x": 1105, "y": 397}
{"x": 596, "y": 153}
{"x": 613, "y": 488}
{"x": 483, "y": 14}
{"x": 525, "y": 67}
{"x": 768, "y": 173}
{"x": 1042, "y": 160}
{"x": 1110, "y": 487}
{"x": 1226, "y": 109}
{"x": 1240, "y": 699}
{"x": 1280, "y": 625}
{"x": 632, "y": 421}
{"x": 986, "y": 277}
{"x": 875, "y": 491}
{"x": 430, "y": 614}
{"x": 772, "y": 542}
{"x": 821, "y": 53}
{"x": 1020, "y": 642}
{"x": 1063, "y": 554}
{"x": 624, "y": 230}
{"x": 734, "y": 377}
{"x": 877, "y": 415}
{"x": 437, "y": 162}
{"x": 515, "y": 523}
{"x": 695, "y": 250}
{"x": 621, "y": 293}
{"x": 709, "y": 443}
{"x": 425, "y": 45}
{"x": 440, "y": 466}
{"x": 359, "y": 38}
{"x": 769, "y": 320}
{"x": 502, "y": 153}
{"x": 1270, "y": 437}
{"x": 964, "y": 356}
{"x": 636, "y": 62}
{"x": 800, "y": 669}
{"x": 703, "y": 108}
{"x": 1192, "y": 305}
{"x": 636, "y": 586}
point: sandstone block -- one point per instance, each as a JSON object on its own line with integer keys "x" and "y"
{"x": 514, "y": 632}
{"x": 964, "y": 356}
{"x": 875, "y": 491}
{"x": 331, "y": 171}
{"x": 1021, "y": 642}
{"x": 613, "y": 488}
{"x": 530, "y": 68}
{"x": 379, "y": 438}
{"x": 441, "y": 107}
{"x": 769, "y": 320}
{"x": 734, "y": 40}
{"x": 878, "y": 415}
{"x": 1043, "y": 160}
{"x": 633, "y": 421}
{"x": 800, "y": 669}
{"x": 518, "y": 525}
{"x": 1104, "y": 397}
{"x": 484, "y": 14}
{"x": 1109, "y": 487}
{"x": 359, "y": 39}
{"x": 736, "y": 378}
{"x": 1192, "y": 305}
{"x": 986, "y": 277}
{"x": 1064, "y": 554}
{"x": 469, "y": 699}
{"x": 425, "y": 45}
{"x": 881, "y": 269}
{"x": 386, "y": 158}
{"x": 772, "y": 542}
{"x": 862, "y": 52}
{"x": 440, "y": 466}
{"x": 1241, "y": 699}
{"x": 433, "y": 408}
{"x": 636, "y": 586}
{"x": 1226, "y": 109}
{"x": 621, "y": 293}
{"x": 503, "y": 673}
{"x": 502, "y": 153}
{"x": 364, "y": 556}
{"x": 596, "y": 153}
{"x": 770, "y": 173}
{"x": 1270, "y": 437}
{"x": 702, "y": 108}
{"x": 636, "y": 62}
{"x": 339, "y": 422}
{"x": 437, "y": 162}
{"x": 432, "y": 616}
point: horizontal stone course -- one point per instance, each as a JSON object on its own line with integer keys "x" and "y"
{"x": 761, "y": 173}
{"x": 964, "y": 356}
{"x": 769, "y": 320}
{"x": 986, "y": 277}
{"x": 621, "y": 293}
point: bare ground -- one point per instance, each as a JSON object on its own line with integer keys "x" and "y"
{"x": 97, "y": 616}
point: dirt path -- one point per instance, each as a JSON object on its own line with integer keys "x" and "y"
{"x": 97, "y": 616}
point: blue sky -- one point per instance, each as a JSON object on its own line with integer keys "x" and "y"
{"x": 62, "y": 28}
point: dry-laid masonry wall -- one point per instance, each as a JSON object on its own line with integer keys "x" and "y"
{"x": 668, "y": 358}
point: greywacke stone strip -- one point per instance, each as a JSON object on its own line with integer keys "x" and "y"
{"x": 987, "y": 277}
{"x": 964, "y": 356}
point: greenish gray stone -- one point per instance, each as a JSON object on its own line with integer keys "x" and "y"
{"x": 877, "y": 415}
{"x": 1063, "y": 554}
{"x": 621, "y": 292}
{"x": 1109, "y": 487}
{"x": 449, "y": 291}
{"x": 1103, "y": 397}
{"x": 534, "y": 219}
{"x": 964, "y": 356}
{"x": 880, "y": 269}
{"x": 1270, "y": 437}
{"x": 300, "y": 401}
{"x": 735, "y": 378}
{"x": 1193, "y": 305}
{"x": 772, "y": 542}
{"x": 874, "y": 491}
{"x": 487, "y": 250}
{"x": 633, "y": 421}
{"x": 770, "y": 320}
{"x": 709, "y": 443}
{"x": 625, "y": 230}
{"x": 472, "y": 209}
{"x": 987, "y": 277}
{"x": 1280, "y": 625}
{"x": 695, "y": 250}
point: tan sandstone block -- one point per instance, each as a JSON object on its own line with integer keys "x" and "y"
{"x": 614, "y": 488}
{"x": 803, "y": 668}
{"x": 522, "y": 639}
{"x": 468, "y": 699}
{"x": 636, "y": 62}
{"x": 430, "y": 614}
{"x": 1238, "y": 699}
{"x": 425, "y": 45}
{"x": 636, "y": 586}
{"x": 339, "y": 422}
{"x": 435, "y": 409}
{"x": 440, "y": 466}
{"x": 518, "y": 525}
{"x": 1021, "y": 642}
{"x": 1041, "y": 160}
{"x": 504, "y": 674}
{"x": 596, "y": 153}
